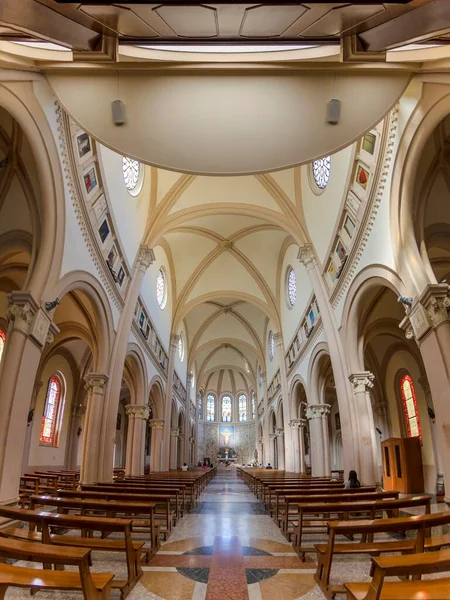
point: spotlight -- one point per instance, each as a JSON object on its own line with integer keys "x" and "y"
{"x": 51, "y": 305}
{"x": 379, "y": 431}
{"x": 405, "y": 300}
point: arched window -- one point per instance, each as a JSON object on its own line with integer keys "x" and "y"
{"x": 181, "y": 347}
{"x": 52, "y": 412}
{"x": 291, "y": 286}
{"x": 410, "y": 408}
{"x": 242, "y": 407}
{"x": 2, "y": 343}
{"x": 321, "y": 170}
{"x": 132, "y": 175}
{"x": 161, "y": 288}
{"x": 200, "y": 404}
{"x": 253, "y": 406}
{"x": 271, "y": 345}
{"x": 210, "y": 408}
{"x": 226, "y": 409}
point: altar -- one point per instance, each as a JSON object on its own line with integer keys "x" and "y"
{"x": 230, "y": 460}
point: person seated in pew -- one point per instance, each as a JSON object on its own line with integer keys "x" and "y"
{"x": 353, "y": 481}
{"x": 269, "y": 466}
{"x": 184, "y": 467}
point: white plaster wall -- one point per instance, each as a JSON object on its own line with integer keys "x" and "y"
{"x": 327, "y": 203}
{"x": 45, "y": 456}
{"x": 130, "y": 212}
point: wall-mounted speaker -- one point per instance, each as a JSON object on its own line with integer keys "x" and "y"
{"x": 118, "y": 112}
{"x": 333, "y": 111}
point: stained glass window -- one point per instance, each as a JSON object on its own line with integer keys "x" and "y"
{"x": 271, "y": 345}
{"x": 49, "y": 421}
{"x": 242, "y": 400}
{"x": 260, "y": 375}
{"x": 131, "y": 170}
{"x": 200, "y": 404}
{"x": 2, "y": 342}
{"x": 161, "y": 292}
{"x": 210, "y": 407}
{"x": 253, "y": 405}
{"x": 321, "y": 171}
{"x": 226, "y": 409}
{"x": 410, "y": 407}
{"x": 291, "y": 281}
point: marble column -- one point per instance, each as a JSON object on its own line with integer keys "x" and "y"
{"x": 349, "y": 417}
{"x": 303, "y": 423}
{"x": 29, "y": 329}
{"x": 157, "y": 426}
{"x": 137, "y": 421}
{"x": 91, "y": 468}
{"x": 295, "y": 427}
{"x": 31, "y": 414}
{"x": 286, "y": 440}
{"x": 317, "y": 415}
{"x": 282, "y": 459}
{"x": 144, "y": 259}
{"x": 78, "y": 411}
{"x": 427, "y": 322}
{"x": 362, "y": 384}
{"x": 173, "y": 346}
{"x": 271, "y": 458}
{"x": 440, "y": 486}
{"x": 174, "y": 434}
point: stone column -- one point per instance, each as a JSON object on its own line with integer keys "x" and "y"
{"x": 91, "y": 467}
{"x": 440, "y": 486}
{"x": 303, "y": 424}
{"x": 187, "y": 421}
{"x": 29, "y": 329}
{"x": 281, "y": 449}
{"x": 191, "y": 460}
{"x": 196, "y": 420}
{"x": 78, "y": 411}
{"x": 271, "y": 458}
{"x": 317, "y": 415}
{"x": 174, "y": 434}
{"x": 428, "y": 323}
{"x": 349, "y": 417}
{"x": 362, "y": 383}
{"x": 144, "y": 259}
{"x": 295, "y": 427}
{"x": 137, "y": 419}
{"x": 157, "y": 426}
{"x": 31, "y": 414}
{"x": 174, "y": 339}
{"x": 268, "y": 449}
{"x": 286, "y": 439}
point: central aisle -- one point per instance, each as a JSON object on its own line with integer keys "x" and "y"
{"x": 227, "y": 548}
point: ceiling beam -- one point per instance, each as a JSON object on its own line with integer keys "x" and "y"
{"x": 425, "y": 22}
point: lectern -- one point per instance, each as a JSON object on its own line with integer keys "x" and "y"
{"x": 402, "y": 465}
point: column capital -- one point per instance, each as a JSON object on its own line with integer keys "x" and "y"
{"x": 95, "y": 383}
{"x": 174, "y": 341}
{"x": 138, "y": 411}
{"x": 261, "y": 440}
{"x": 317, "y": 411}
{"x": 192, "y": 440}
{"x": 272, "y": 436}
{"x": 278, "y": 338}
{"x": 306, "y": 256}
{"x": 181, "y": 436}
{"x": 280, "y": 431}
{"x": 295, "y": 423}
{"x": 29, "y": 318}
{"x": 436, "y": 302}
{"x": 157, "y": 424}
{"x": 145, "y": 257}
{"x": 174, "y": 431}
{"x": 362, "y": 382}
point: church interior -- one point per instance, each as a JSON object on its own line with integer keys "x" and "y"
{"x": 224, "y": 300}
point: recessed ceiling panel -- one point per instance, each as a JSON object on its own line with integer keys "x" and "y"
{"x": 270, "y": 21}
{"x": 190, "y": 21}
{"x": 121, "y": 20}
{"x": 341, "y": 19}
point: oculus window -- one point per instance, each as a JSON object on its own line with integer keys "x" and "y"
{"x": 161, "y": 288}
{"x": 132, "y": 175}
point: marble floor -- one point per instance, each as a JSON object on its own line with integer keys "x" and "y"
{"x": 226, "y": 548}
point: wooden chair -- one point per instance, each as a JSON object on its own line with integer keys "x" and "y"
{"x": 94, "y": 586}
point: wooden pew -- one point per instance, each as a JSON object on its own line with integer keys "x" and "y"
{"x": 403, "y": 566}
{"x": 108, "y": 508}
{"x": 274, "y": 489}
{"x": 420, "y": 524}
{"x": 288, "y": 511}
{"x": 94, "y": 586}
{"x": 45, "y": 520}
{"x": 344, "y": 511}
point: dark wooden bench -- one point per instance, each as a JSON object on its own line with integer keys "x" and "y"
{"x": 420, "y": 524}
{"x": 45, "y": 521}
{"x": 94, "y": 586}
{"x": 403, "y": 566}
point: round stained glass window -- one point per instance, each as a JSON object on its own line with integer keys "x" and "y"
{"x": 161, "y": 291}
{"x": 291, "y": 281}
{"x": 131, "y": 170}
{"x": 321, "y": 171}
{"x": 271, "y": 345}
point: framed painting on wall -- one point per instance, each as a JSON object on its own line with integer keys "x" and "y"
{"x": 90, "y": 180}
{"x": 84, "y": 146}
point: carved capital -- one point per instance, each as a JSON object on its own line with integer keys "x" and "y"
{"x": 295, "y": 423}
{"x": 192, "y": 440}
{"x": 145, "y": 258}
{"x": 174, "y": 340}
{"x": 307, "y": 256}
{"x": 21, "y": 311}
{"x": 362, "y": 382}
{"x": 437, "y": 303}
{"x": 278, "y": 338}
{"x": 280, "y": 431}
{"x": 317, "y": 411}
{"x": 174, "y": 431}
{"x": 272, "y": 436}
{"x": 157, "y": 424}
{"x": 95, "y": 383}
{"x": 137, "y": 411}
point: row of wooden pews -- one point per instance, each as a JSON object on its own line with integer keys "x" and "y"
{"x": 103, "y": 518}
{"x": 359, "y": 521}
